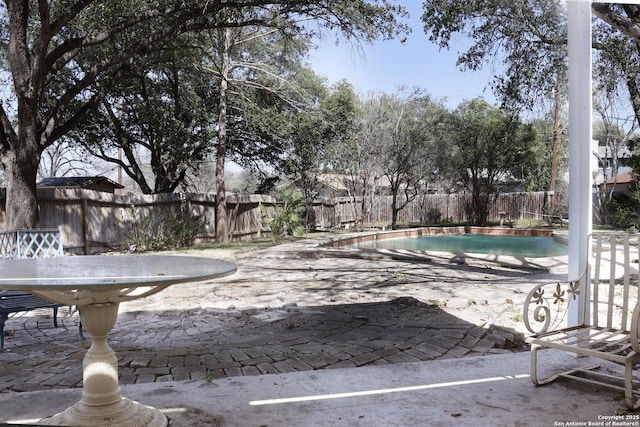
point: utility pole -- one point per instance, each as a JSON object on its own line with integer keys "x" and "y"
{"x": 556, "y": 137}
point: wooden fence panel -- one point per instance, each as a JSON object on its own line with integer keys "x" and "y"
{"x": 204, "y": 206}
{"x": 245, "y": 214}
{"x": 90, "y": 221}
{"x": 432, "y": 208}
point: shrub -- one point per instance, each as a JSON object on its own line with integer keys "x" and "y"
{"x": 289, "y": 215}
{"x": 165, "y": 231}
{"x": 623, "y": 211}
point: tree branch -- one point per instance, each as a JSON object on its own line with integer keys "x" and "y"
{"x": 618, "y": 21}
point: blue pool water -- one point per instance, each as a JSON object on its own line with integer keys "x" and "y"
{"x": 518, "y": 246}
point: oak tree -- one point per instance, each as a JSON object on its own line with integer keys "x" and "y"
{"x": 59, "y": 52}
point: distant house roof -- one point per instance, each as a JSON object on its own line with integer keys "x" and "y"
{"x": 620, "y": 183}
{"x": 624, "y": 178}
{"x": 98, "y": 183}
{"x": 339, "y": 181}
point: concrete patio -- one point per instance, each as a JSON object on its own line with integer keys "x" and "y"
{"x": 493, "y": 390}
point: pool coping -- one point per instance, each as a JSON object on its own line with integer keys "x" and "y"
{"x": 429, "y": 231}
{"x": 334, "y": 246}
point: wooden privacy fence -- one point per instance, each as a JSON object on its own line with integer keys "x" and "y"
{"x": 90, "y": 221}
{"x": 434, "y": 208}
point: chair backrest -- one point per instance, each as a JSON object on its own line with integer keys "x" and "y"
{"x": 614, "y": 279}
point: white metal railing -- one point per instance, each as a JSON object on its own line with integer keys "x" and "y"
{"x": 18, "y": 244}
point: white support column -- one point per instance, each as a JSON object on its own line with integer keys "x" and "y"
{"x": 580, "y": 136}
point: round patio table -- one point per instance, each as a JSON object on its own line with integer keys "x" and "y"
{"x": 96, "y": 285}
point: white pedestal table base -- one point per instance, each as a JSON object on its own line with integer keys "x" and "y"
{"x": 125, "y": 413}
{"x": 102, "y": 403}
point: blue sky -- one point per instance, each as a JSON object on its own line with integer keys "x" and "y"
{"x": 416, "y": 63}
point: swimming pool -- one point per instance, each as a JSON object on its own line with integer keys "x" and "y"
{"x": 491, "y": 244}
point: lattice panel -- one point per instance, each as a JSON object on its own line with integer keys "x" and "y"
{"x": 30, "y": 244}
{"x": 7, "y": 245}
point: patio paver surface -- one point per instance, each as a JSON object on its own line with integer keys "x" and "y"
{"x": 294, "y": 307}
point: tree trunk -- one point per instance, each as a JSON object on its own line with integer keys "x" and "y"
{"x": 360, "y": 220}
{"x": 20, "y": 153}
{"x": 222, "y": 227}
{"x": 394, "y": 210}
{"x": 20, "y": 170}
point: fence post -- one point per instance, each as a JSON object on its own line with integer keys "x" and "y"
{"x": 85, "y": 226}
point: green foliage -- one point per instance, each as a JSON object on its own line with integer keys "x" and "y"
{"x": 528, "y": 36}
{"x": 160, "y": 112}
{"x": 163, "y": 231}
{"x": 313, "y": 132}
{"x": 399, "y": 137}
{"x": 432, "y": 216}
{"x": 537, "y": 172}
{"x": 623, "y": 211}
{"x": 616, "y": 67}
{"x": 488, "y": 144}
{"x": 290, "y": 215}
